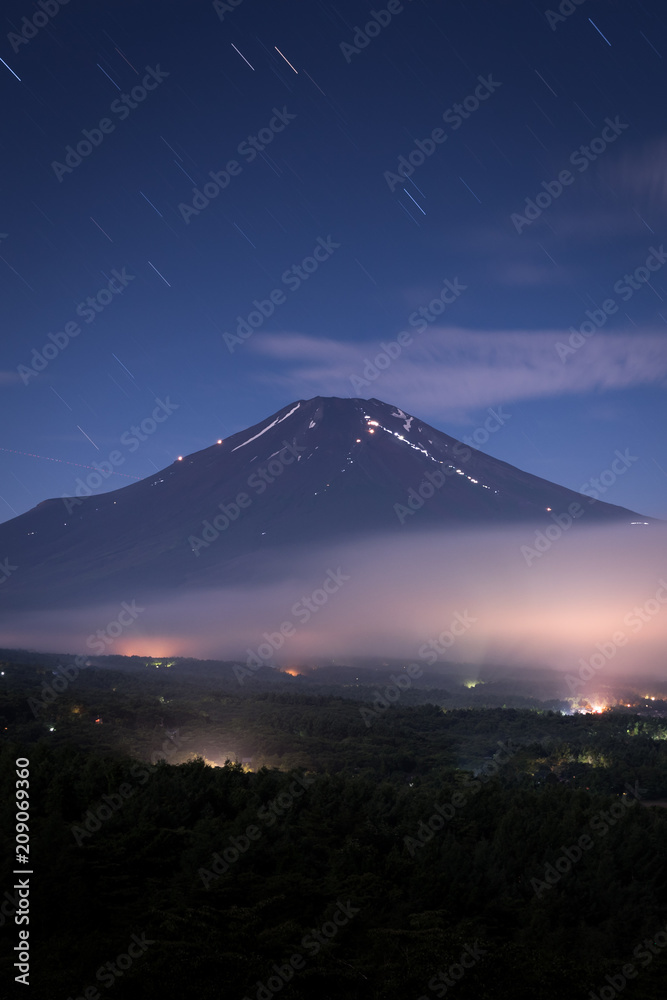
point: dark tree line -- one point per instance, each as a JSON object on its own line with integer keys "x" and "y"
{"x": 433, "y": 838}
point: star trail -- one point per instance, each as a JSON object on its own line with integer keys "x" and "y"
{"x": 201, "y": 151}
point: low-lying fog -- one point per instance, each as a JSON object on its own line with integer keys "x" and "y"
{"x": 596, "y": 596}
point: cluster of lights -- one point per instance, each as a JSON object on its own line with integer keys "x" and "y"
{"x": 372, "y": 424}
{"x": 180, "y": 457}
{"x": 584, "y": 706}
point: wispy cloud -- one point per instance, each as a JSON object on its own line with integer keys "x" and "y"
{"x": 396, "y": 599}
{"x": 455, "y": 370}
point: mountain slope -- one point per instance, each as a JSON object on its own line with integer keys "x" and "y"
{"x": 316, "y": 471}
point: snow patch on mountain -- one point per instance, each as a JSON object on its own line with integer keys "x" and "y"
{"x": 268, "y": 427}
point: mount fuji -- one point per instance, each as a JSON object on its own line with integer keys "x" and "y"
{"x": 318, "y": 471}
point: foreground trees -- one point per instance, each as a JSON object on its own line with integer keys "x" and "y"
{"x": 504, "y": 853}
{"x": 230, "y": 874}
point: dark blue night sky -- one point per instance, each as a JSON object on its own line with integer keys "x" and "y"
{"x": 259, "y": 195}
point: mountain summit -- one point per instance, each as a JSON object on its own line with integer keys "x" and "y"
{"x": 317, "y": 471}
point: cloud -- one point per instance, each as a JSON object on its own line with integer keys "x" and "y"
{"x": 394, "y": 595}
{"x": 9, "y": 378}
{"x": 454, "y": 370}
